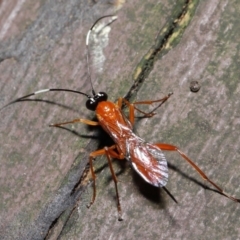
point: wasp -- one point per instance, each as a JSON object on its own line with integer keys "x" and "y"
{"x": 147, "y": 159}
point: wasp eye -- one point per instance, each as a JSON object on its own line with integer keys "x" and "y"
{"x": 102, "y": 96}
{"x": 92, "y": 103}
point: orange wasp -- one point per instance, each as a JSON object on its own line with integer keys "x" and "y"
{"x": 146, "y": 159}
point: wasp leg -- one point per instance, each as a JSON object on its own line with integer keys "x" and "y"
{"x": 110, "y": 153}
{"x": 168, "y": 147}
{"x": 86, "y": 121}
{"x": 132, "y": 106}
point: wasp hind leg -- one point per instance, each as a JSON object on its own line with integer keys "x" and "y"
{"x": 168, "y": 147}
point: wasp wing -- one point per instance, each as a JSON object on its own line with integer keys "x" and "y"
{"x": 149, "y": 162}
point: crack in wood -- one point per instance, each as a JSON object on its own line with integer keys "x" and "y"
{"x": 168, "y": 37}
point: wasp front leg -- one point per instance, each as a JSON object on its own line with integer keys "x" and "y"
{"x": 78, "y": 120}
{"x": 132, "y": 106}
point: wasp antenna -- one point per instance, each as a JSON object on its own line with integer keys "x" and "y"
{"x": 114, "y": 17}
{"x": 44, "y": 91}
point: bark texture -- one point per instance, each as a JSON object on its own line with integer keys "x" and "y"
{"x": 154, "y": 47}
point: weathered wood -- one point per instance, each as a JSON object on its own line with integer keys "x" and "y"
{"x": 44, "y": 46}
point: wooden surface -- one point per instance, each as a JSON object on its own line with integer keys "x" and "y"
{"x": 43, "y": 45}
